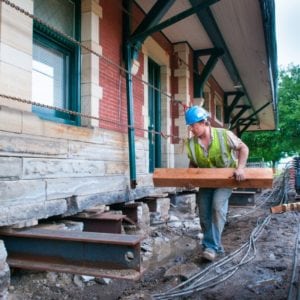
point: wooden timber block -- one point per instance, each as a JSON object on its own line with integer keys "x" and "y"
{"x": 212, "y": 177}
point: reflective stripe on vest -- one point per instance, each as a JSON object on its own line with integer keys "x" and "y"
{"x": 219, "y": 152}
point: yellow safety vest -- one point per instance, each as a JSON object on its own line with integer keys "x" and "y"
{"x": 219, "y": 153}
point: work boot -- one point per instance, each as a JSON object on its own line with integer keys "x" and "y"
{"x": 209, "y": 254}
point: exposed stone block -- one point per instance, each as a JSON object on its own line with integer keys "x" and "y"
{"x": 10, "y": 168}
{"x": 57, "y": 168}
{"x": 22, "y": 191}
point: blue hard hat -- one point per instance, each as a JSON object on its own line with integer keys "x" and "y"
{"x": 195, "y": 114}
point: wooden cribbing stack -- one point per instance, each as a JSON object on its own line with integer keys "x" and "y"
{"x": 212, "y": 177}
{"x": 285, "y": 207}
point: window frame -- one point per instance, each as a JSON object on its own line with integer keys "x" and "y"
{"x": 218, "y": 102}
{"x": 46, "y": 37}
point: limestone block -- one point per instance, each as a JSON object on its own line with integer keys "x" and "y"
{"x": 183, "y": 97}
{"x": 94, "y": 151}
{"x": 143, "y": 216}
{"x": 3, "y": 253}
{"x": 4, "y": 280}
{"x": 15, "y": 57}
{"x": 90, "y": 27}
{"x": 11, "y": 119}
{"x": 15, "y": 82}
{"x": 181, "y": 47}
{"x": 80, "y": 203}
{"x": 22, "y": 191}
{"x": 16, "y": 144}
{"x": 93, "y": 6}
{"x": 10, "y": 167}
{"x": 145, "y": 180}
{"x": 68, "y": 187}
{"x": 90, "y": 107}
{"x": 182, "y": 72}
{"x": 114, "y": 168}
{"x": 114, "y": 139}
{"x": 58, "y": 168}
{"x": 90, "y": 68}
{"x": 36, "y": 126}
{"x": 91, "y": 90}
{"x": 186, "y": 203}
{"x": 163, "y": 206}
{"x": 55, "y": 207}
{"x": 16, "y": 28}
{"x": 22, "y": 212}
{"x": 4, "y": 216}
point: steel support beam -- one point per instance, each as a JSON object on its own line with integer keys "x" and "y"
{"x": 99, "y": 222}
{"x": 200, "y": 79}
{"x": 86, "y": 253}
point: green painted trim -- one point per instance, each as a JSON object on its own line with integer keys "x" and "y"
{"x": 50, "y": 39}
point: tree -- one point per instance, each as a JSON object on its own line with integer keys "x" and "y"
{"x": 273, "y": 145}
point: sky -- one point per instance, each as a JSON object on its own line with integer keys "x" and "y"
{"x": 287, "y": 31}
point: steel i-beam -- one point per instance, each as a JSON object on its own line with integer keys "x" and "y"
{"x": 85, "y": 253}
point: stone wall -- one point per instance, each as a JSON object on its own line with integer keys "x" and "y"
{"x": 50, "y": 169}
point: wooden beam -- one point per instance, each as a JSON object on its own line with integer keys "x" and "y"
{"x": 212, "y": 177}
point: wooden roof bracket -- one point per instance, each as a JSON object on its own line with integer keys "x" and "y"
{"x": 200, "y": 79}
{"x": 228, "y": 108}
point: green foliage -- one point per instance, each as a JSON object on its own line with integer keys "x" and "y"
{"x": 273, "y": 145}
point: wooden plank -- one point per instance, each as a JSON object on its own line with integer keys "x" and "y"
{"x": 212, "y": 177}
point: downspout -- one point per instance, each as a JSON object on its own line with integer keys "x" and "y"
{"x": 129, "y": 94}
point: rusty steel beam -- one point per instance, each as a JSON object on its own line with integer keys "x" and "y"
{"x": 242, "y": 198}
{"x": 100, "y": 222}
{"x": 85, "y": 253}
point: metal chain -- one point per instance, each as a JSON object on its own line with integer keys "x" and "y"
{"x": 26, "y": 13}
{"x": 37, "y": 19}
{"x": 74, "y": 113}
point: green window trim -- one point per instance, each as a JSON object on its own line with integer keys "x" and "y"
{"x": 46, "y": 37}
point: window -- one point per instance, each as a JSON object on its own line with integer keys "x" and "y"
{"x": 55, "y": 65}
{"x": 218, "y": 110}
{"x": 206, "y": 103}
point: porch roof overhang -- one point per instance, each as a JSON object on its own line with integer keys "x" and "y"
{"x": 245, "y": 30}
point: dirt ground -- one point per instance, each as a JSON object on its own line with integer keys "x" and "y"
{"x": 262, "y": 269}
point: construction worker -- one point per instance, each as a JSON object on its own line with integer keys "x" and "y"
{"x": 211, "y": 147}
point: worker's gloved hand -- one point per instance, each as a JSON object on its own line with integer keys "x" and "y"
{"x": 239, "y": 174}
